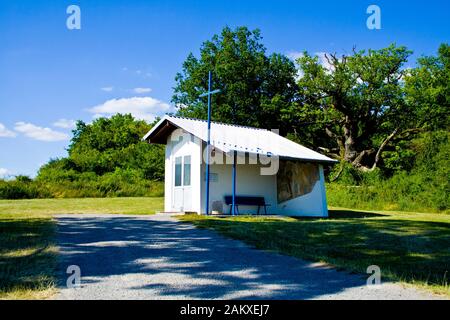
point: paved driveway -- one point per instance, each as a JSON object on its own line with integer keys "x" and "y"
{"x": 157, "y": 257}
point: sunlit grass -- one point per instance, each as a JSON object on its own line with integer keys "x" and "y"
{"x": 28, "y": 253}
{"x": 50, "y": 207}
{"x": 409, "y": 247}
{"x": 27, "y": 257}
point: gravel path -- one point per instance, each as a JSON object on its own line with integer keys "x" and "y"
{"x": 157, "y": 257}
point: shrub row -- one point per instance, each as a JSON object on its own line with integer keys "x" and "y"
{"x": 121, "y": 183}
{"x": 426, "y": 187}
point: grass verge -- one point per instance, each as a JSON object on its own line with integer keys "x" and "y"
{"x": 28, "y": 252}
{"x": 50, "y": 207}
{"x": 408, "y": 247}
{"x": 27, "y": 258}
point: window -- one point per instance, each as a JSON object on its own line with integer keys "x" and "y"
{"x": 178, "y": 171}
{"x": 187, "y": 171}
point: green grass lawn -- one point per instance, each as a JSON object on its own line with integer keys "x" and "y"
{"x": 411, "y": 247}
{"x": 408, "y": 247}
{"x": 27, "y": 245}
{"x": 50, "y": 207}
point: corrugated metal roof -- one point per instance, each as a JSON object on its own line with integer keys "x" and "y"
{"x": 228, "y": 137}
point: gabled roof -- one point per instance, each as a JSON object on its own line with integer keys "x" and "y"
{"x": 228, "y": 138}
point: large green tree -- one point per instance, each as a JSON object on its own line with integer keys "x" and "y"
{"x": 428, "y": 91}
{"x": 353, "y": 106}
{"x": 108, "y": 144}
{"x": 256, "y": 87}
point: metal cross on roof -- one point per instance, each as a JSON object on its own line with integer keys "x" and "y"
{"x": 208, "y": 155}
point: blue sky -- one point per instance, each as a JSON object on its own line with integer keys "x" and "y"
{"x": 127, "y": 53}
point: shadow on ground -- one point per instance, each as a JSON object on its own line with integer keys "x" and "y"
{"x": 26, "y": 263}
{"x": 122, "y": 257}
{"x": 406, "y": 249}
{"x": 352, "y": 214}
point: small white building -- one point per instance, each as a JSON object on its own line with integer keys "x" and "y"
{"x": 289, "y": 176}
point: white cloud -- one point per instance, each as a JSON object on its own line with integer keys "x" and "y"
{"x": 145, "y": 108}
{"x": 39, "y": 133}
{"x": 65, "y": 124}
{"x": 5, "y": 133}
{"x": 324, "y": 61}
{"x": 142, "y": 90}
{"x": 4, "y": 173}
{"x": 294, "y": 55}
{"x": 107, "y": 89}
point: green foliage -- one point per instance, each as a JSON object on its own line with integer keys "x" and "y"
{"x": 121, "y": 183}
{"x": 20, "y": 189}
{"x": 423, "y": 188}
{"x": 256, "y": 87}
{"x": 351, "y": 104}
{"x": 111, "y": 143}
{"x": 106, "y": 159}
{"x": 427, "y": 91}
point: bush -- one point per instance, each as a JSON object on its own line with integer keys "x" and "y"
{"x": 65, "y": 184}
{"x": 22, "y": 189}
{"x": 106, "y": 159}
{"x": 426, "y": 187}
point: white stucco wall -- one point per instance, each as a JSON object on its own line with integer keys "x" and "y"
{"x": 313, "y": 204}
{"x": 188, "y": 145}
{"x": 249, "y": 182}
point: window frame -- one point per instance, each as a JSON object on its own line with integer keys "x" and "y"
{"x": 184, "y": 170}
{"x": 180, "y": 163}
{"x": 180, "y": 166}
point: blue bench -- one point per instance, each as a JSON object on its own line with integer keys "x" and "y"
{"x": 247, "y": 201}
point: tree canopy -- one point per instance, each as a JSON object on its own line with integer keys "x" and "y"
{"x": 353, "y": 107}
{"x": 357, "y": 100}
{"x": 255, "y": 86}
{"x": 108, "y": 144}
{"x": 427, "y": 90}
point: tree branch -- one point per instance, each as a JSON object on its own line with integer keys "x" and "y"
{"x": 333, "y": 179}
{"x": 382, "y": 146}
{"x": 359, "y": 158}
{"x": 329, "y": 152}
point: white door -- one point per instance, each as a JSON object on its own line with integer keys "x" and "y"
{"x": 182, "y": 192}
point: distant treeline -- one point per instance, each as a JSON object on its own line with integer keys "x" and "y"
{"x": 106, "y": 159}
{"x": 421, "y": 182}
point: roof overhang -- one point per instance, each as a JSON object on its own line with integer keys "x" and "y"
{"x": 162, "y": 130}
{"x": 327, "y": 162}
{"x": 159, "y": 133}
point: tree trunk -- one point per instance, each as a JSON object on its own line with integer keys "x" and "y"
{"x": 348, "y": 148}
{"x": 359, "y": 159}
{"x": 349, "y": 141}
{"x": 338, "y": 139}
